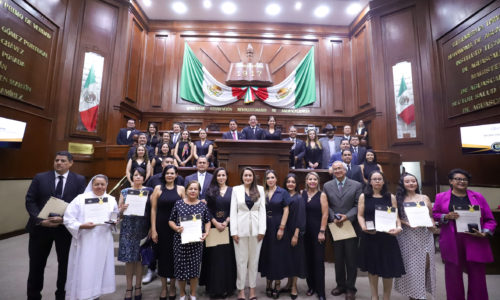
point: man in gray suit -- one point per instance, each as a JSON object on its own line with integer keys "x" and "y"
{"x": 343, "y": 194}
{"x": 330, "y": 143}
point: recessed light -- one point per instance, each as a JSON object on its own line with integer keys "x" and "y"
{"x": 147, "y": 2}
{"x": 321, "y": 11}
{"x": 179, "y": 7}
{"x": 298, "y": 5}
{"x": 207, "y": 4}
{"x": 273, "y": 9}
{"x": 353, "y": 9}
{"x": 228, "y": 8}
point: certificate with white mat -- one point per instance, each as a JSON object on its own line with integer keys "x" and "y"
{"x": 467, "y": 215}
{"x": 417, "y": 214}
{"x": 385, "y": 218}
{"x": 96, "y": 210}
{"x": 191, "y": 232}
{"x": 136, "y": 200}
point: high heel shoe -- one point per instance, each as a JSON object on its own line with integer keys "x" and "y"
{"x": 269, "y": 292}
{"x": 293, "y": 296}
{"x": 128, "y": 298}
{"x": 138, "y": 297}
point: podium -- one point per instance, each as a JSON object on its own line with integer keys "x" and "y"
{"x": 261, "y": 155}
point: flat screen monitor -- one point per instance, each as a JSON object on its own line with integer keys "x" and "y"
{"x": 481, "y": 139}
{"x": 11, "y": 133}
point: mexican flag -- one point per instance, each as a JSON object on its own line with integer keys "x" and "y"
{"x": 405, "y": 107}
{"x": 200, "y": 87}
{"x": 91, "y": 91}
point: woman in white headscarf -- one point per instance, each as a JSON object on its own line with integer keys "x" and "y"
{"x": 91, "y": 269}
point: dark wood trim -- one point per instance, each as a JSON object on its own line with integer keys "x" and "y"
{"x": 14, "y": 233}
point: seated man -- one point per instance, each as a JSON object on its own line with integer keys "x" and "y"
{"x": 156, "y": 179}
{"x": 298, "y": 149}
{"x": 141, "y": 141}
{"x": 357, "y": 151}
{"x": 344, "y": 145}
{"x": 353, "y": 170}
{"x": 233, "y": 133}
{"x": 252, "y": 131}
{"x": 202, "y": 176}
{"x": 126, "y": 135}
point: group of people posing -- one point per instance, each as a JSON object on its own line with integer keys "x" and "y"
{"x": 277, "y": 231}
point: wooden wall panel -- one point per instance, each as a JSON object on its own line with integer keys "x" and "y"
{"x": 338, "y": 56}
{"x": 159, "y": 70}
{"x": 136, "y": 47}
{"x": 361, "y": 68}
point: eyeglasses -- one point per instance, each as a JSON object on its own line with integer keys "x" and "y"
{"x": 377, "y": 179}
{"x": 460, "y": 179}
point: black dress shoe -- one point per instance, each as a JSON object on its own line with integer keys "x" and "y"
{"x": 310, "y": 292}
{"x": 338, "y": 291}
{"x": 321, "y": 298}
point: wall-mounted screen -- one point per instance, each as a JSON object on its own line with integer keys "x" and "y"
{"x": 11, "y": 133}
{"x": 481, "y": 139}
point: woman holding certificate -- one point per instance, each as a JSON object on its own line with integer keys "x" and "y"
{"x": 91, "y": 266}
{"x": 134, "y": 227}
{"x": 275, "y": 253}
{"x": 316, "y": 204}
{"x": 162, "y": 202}
{"x": 464, "y": 249}
{"x": 248, "y": 226}
{"x": 218, "y": 271}
{"x": 416, "y": 240}
{"x": 379, "y": 252}
{"x": 190, "y": 221}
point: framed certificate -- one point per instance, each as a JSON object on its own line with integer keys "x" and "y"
{"x": 96, "y": 210}
{"x": 468, "y": 217}
{"x": 191, "y": 225}
{"x": 136, "y": 200}
{"x": 385, "y": 218}
{"x": 418, "y": 214}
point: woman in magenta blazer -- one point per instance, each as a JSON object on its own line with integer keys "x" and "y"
{"x": 459, "y": 251}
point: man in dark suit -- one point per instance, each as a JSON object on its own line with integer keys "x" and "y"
{"x": 126, "y": 135}
{"x": 64, "y": 185}
{"x": 156, "y": 179}
{"x": 344, "y": 145}
{"x": 298, "y": 149}
{"x": 142, "y": 141}
{"x": 202, "y": 176}
{"x": 252, "y": 131}
{"x": 357, "y": 151}
{"x": 176, "y": 133}
{"x": 233, "y": 133}
{"x": 343, "y": 194}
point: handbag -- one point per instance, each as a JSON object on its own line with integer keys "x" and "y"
{"x": 146, "y": 251}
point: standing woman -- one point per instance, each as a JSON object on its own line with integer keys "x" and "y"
{"x": 296, "y": 228}
{"x": 314, "y": 151}
{"x": 165, "y": 139}
{"x": 203, "y": 147}
{"x": 272, "y": 133}
{"x": 91, "y": 266}
{"x": 183, "y": 152}
{"x": 379, "y": 252}
{"x": 162, "y": 202}
{"x": 133, "y": 229}
{"x": 153, "y": 136}
{"x": 370, "y": 164}
{"x": 139, "y": 159}
{"x": 275, "y": 253}
{"x": 187, "y": 257}
{"x": 219, "y": 265}
{"x": 416, "y": 244}
{"x": 361, "y": 131}
{"x": 316, "y": 204}
{"x": 163, "y": 154}
{"x": 459, "y": 251}
{"x": 248, "y": 226}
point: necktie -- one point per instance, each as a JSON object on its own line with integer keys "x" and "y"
{"x": 201, "y": 179}
{"x": 234, "y": 135}
{"x": 339, "y": 185}
{"x": 294, "y": 144}
{"x": 253, "y": 130}
{"x": 355, "y": 149}
{"x": 348, "y": 167}
{"x": 59, "y": 187}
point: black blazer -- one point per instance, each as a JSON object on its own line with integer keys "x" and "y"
{"x": 43, "y": 187}
{"x": 156, "y": 180}
{"x": 206, "y": 183}
{"x": 229, "y": 136}
{"x": 299, "y": 151}
{"x": 121, "y": 138}
{"x": 361, "y": 155}
{"x": 355, "y": 173}
{"x": 249, "y": 135}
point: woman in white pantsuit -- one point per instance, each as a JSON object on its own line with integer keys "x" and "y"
{"x": 248, "y": 226}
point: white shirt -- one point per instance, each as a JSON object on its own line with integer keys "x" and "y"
{"x": 65, "y": 178}
{"x": 331, "y": 145}
{"x": 201, "y": 180}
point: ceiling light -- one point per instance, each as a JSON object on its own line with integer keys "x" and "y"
{"x": 353, "y": 9}
{"x": 298, "y": 5}
{"x": 147, "y": 2}
{"x": 273, "y": 9}
{"x": 179, "y": 7}
{"x": 228, "y": 8}
{"x": 321, "y": 11}
{"x": 207, "y": 4}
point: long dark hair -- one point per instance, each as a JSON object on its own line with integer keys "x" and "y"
{"x": 368, "y": 190}
{"x": 146, "y": 157}
{"x": 161, "y": 154}
{"x": 374, "y": 158}
{"x": 401, "y": 192}
{"x": 254, "y": 191}
{"x": 291, "y": 175}
{"x": 266, "y": 187}
{"x": 214, "y": 189}
{"x": 168, "y": 167}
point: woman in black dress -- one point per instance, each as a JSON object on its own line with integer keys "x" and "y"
{"x": 379, "y": 252}
{"x": 187, "y": 256}
{"x": 183, "y": 152}
{"x": 272, "y": 133}
{"x": 218, "y": 271}
{"x": 314, "y": 151}
{"x": 203, "y": 147}
{"x": 370, "y": 164}
{"x": 316, "y": 204}
{"x": 362, "y": 132}
{"x": 163, "y": 154}
{"x": 139, "y": 159}
{"x": 162, "y": 202}
{"x": 296, "y": 228}
{"x": 165, "y": 139}
{"x": 275, "y": 252}
{"x": 153, "y": 136}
